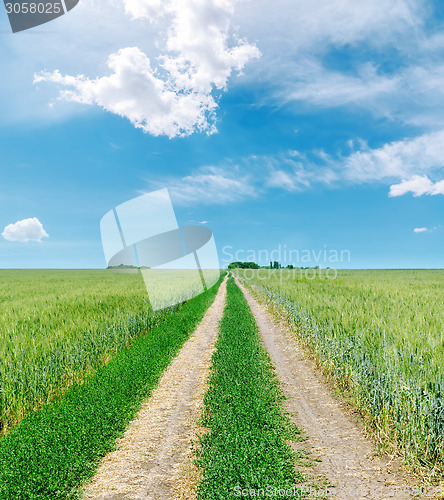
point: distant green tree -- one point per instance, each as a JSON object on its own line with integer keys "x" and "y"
{"x": 122, "y": 266}
{"x": 243, "y": 265}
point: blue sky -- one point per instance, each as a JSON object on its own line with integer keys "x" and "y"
{"x": 279, "y": 125}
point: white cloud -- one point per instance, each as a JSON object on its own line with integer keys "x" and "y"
{"x": 285, "y": 180}
{"x": 409, "y": 160}
{"x": 148, "y": 9}
{"x": 350, "y": 53}
{"x": 296, "y": 39}
{"x": 418, "y": 185}
{"x": 134, "y": 91}
{"x": 300, "y": 42}
{"x": 25, "y": 231}
{"x": 199, "y": 55}
{"x": 438, "y": 188}
{"x": 322, "y": 87}
{"x": 295, "y": 172}
{"x": 398, "y": 159}
{"x": 176, "y": 97}
{"x": 210, "y": 185}
{"x": 249, "y": 178}
{"x": 426, "y": 229}
{"x": 312, "y": 26}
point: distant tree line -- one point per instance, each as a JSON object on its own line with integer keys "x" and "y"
{"x": 273, "y": 265}
{"x": 243, "y": 265}
{"x": 127, "y": 266}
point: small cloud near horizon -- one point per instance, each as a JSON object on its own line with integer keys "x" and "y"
{"x": 426, "y": 229}
{"x": 25, "y": 231}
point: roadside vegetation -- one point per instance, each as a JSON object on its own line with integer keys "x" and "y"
{"x": 380, "y": 336}
{"x": 246, "y": 445}
{"x": 51, "y": 453}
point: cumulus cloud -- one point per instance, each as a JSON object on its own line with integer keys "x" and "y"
{"x": 411, "y": 160}
{"x": 148, "y": 9}
{"x": 175, "y": 98}
{"x": 418, "y": 185}
{"x": 198, "y": 52}
{"x": 25, "y": 231}
{"x": 397, "y": 159}
{"x": 135, "y": 92}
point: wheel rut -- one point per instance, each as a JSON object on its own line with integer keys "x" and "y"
{"x": 151, "y": 457}
{"x": 348, "y": 459}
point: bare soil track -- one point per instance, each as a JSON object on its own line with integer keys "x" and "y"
{"x": 151, "y": 457}
{"x": 348, "y": 459}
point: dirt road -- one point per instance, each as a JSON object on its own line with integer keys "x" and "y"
{"x": 349, "y": 461}
{"x": 154, "y": 454}
{"x": 154, "y": 451}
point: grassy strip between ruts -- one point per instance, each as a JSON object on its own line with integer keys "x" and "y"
{"x": 50, "y": 454}
{"x": 245, "y": 448}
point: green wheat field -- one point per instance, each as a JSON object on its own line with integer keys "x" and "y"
{"x": 80, "y": 349}
{"x": 57, "y": 326}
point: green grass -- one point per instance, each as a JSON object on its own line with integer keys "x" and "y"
{"x": 380, "y": 335}
{"x": 245, "y": 447}
{"x": 58, "y": 326}
{"x": 50, "y": 454}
